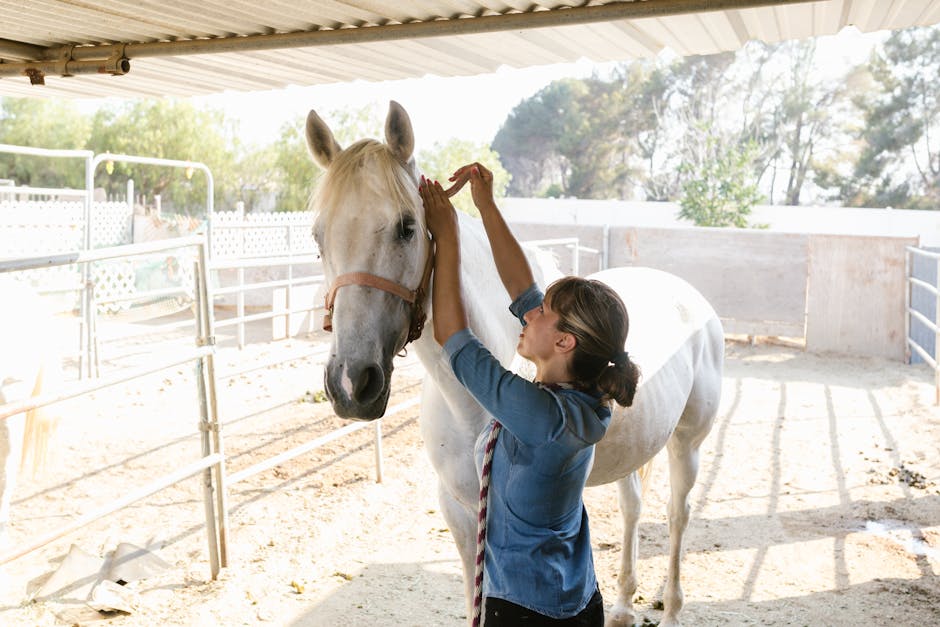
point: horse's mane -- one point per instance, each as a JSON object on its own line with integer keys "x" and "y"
{"x": 344, "y": 179}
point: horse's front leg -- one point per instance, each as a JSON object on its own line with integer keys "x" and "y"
{"x": 448, "y": 439}
{"x": 463, "y": 526}
{"x": 630, "y": 491}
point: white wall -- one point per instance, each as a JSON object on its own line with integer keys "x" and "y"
{"x": 818, "y": 220}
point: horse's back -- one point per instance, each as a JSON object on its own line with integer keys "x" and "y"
{"x": 677, "y": 342}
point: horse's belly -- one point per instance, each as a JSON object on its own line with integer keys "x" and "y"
{"x": 671, "y": 336}
{"x": 638, "y": 432}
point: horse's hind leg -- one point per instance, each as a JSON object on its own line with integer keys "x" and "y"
{"x": 630, "y": 492}
{"x": 683, "y": 449}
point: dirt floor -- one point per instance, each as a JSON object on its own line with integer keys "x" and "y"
{"x": 818, "y": 502}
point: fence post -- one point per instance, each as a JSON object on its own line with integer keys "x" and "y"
{"x": 908, "y": 273}
{"x": 290, "y": 277}
{"x": 240, "y": 296}
{"x": 936, "y": 338}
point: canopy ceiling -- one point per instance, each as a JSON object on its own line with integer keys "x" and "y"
{"x": 187, "y": 47}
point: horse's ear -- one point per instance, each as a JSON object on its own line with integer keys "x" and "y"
{"x": 320, "y": 141}
{"x": 399, "y": 135}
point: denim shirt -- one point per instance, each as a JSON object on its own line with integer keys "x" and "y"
{"x": 538, "y": 547}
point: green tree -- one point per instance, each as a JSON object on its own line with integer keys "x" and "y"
{"x": 294, "y": 170}
{"x": 42, "y": 123}
{"x": 169, "y": 129}
{"x": 443, "y": 159}
{"x": 721, "y": 188}
{"x": 899, "y": 164}
{"x": 527, "y": 142}
{"x": 569, "y": 134}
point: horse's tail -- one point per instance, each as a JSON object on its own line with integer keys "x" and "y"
{"x": 41, "y": 422}
{"x": 645, "y": 472}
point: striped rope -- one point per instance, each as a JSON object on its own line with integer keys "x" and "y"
{"x": 481, "y": 522}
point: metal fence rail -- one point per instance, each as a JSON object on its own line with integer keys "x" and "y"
{"x": 913, "y": 314}
{"x": 211, "y": 462}
{"x": 574, "y": 245}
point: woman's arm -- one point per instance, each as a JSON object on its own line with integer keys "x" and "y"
{"x": 450, "y": 314}
{"x": 511, "y": 262}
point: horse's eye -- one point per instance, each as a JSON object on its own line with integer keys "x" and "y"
{"x": 406, "y": 229}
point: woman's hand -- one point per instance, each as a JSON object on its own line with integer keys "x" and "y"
{"x": 481, "y": 184}
{"x": 438, "y": 211}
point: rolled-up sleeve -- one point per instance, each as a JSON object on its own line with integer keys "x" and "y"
{"x": 532, "y": 414}
{"x": 527, "y": 300}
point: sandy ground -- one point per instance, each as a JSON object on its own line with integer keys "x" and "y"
{"x": 818, "y": 502}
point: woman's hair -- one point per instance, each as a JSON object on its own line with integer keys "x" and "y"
{"x": 596, "y": 316}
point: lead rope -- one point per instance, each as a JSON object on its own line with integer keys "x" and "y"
{"x": 481, "y": 522}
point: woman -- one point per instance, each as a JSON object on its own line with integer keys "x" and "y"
{"x": 537, "y": 566}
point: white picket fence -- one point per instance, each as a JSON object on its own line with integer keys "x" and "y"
{"x": 236, "y": 235}
{"x": 40, "y": 226}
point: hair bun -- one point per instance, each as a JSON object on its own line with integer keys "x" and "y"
{"x": 621, "y": 360}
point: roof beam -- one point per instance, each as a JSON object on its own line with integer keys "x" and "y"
{"x": 414, "y": 30}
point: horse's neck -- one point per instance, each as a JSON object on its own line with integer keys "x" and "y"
{"x": 486, "y": 303}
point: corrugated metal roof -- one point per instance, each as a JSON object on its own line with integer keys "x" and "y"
{"x": 330, "y": 41}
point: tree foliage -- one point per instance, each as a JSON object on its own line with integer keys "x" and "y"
{"x": 651, "y": 130}
{"x": 440, "y": 162}
{"x": 43, "y": 124}
{"x": 720, "y": 189}
{"x": 867, "y": 137}
{"x": 166, "y": 129}
{"x": 899, "y": 164}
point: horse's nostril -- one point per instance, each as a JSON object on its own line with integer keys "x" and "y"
{"x": 369, "y": 384}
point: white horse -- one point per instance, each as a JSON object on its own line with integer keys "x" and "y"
{"x": 28, "y": 364}
{"x": 375, "y": 251}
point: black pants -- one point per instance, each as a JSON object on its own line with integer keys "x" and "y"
{"x": 500, "y": 613}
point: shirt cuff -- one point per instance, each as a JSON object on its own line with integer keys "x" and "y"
{"x": 531, "y": 298}
{"x": 457, "y": 341}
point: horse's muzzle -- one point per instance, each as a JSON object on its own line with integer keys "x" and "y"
{"x": 358, "y": 391}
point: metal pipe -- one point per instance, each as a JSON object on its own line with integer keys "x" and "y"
{"x": 100, "y": 254}
{"x": 142, "y": 492}
{"x": 924, "y": 354}
{"x": 207, "y": 331}
{"x": 44, "y": 152}
{"x": 925, "y": 285}
{"x": 265, "y": 315}
{"x": 261, "y": 262}
{"x": 115, "y": 67}
{"x": 936, "y": 340}
{"x": 378, "y": 451}
{"x": 271, "y": 462}
{"x": 42, "y": 400}
{"x": 205, "y": 426}
{"x": 234, "y": 289}
{"x": 18, "y": 50}
{"x": 927, "y": 322}
{"x": 25, "y": 190}
{"x": 571, "y": 16}
{"x": 908, "y": 288}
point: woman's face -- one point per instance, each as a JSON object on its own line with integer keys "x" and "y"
{"x": 538, "y": 337}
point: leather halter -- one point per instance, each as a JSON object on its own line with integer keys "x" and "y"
{"x": 413, "y": 297}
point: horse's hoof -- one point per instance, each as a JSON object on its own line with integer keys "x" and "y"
{"x": 620, "y": 617}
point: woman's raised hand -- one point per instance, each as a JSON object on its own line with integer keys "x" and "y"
{"x": 438, "y": 210}
{"x": 481, "y": 184}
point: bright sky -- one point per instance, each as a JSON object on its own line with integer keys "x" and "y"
{"x": 471, "y": 108}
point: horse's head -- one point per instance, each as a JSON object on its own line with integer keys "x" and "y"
{"x": 376, "y": 259}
